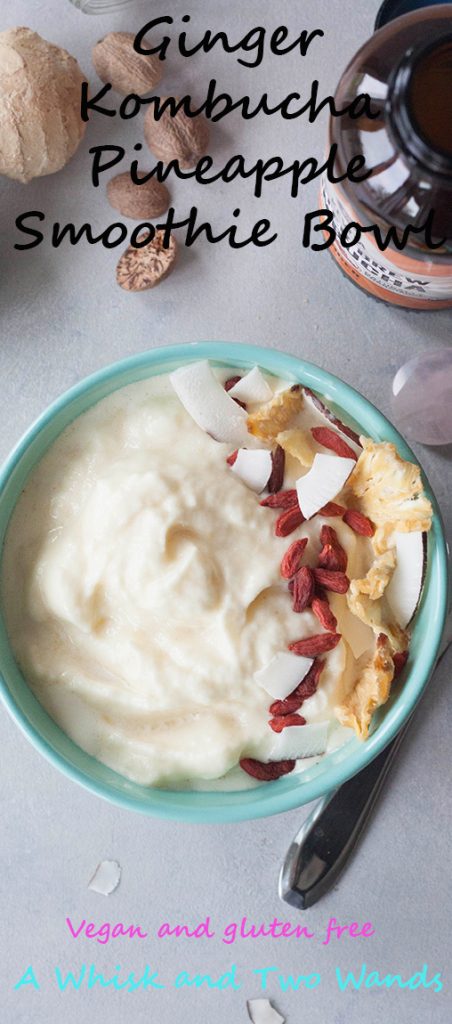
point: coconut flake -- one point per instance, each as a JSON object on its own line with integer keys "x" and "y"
{"x": 261, "y": 1011}
{"x": 254, "y": 468}
{"x": 404, "y": 589}
{"x": 282, "y": 674}
{"x": 209, "y": 404}
{"x": 299, "y": 741}
{"x": 106, "y": 878}
{"x": 332, "y": 420}
{"x": 323, "y": 482}
{"x": 252, "y": 388}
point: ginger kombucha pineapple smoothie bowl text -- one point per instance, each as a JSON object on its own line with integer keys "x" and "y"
{"x": 223, "y": 580}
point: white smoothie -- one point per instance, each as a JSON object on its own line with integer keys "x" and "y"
{"x": 142, "y": 591}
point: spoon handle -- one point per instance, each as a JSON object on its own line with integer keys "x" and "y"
{"x": 326, "y": 839}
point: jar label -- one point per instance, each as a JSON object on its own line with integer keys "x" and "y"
{"x": 391, "y": 275}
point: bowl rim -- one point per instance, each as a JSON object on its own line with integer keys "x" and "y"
{"x": 270, "y": 798}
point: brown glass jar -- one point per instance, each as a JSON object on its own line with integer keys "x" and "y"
{"x": 406, "y": 68}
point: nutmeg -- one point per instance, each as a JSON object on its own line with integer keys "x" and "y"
{"x": 141, "y": 269}
{"x": 179, "y": 138}
{"x": 116, "y": 62}
{"x": 140, "y": 202}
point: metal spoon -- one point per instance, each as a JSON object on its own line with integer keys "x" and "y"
{"x": 326, "y": 839}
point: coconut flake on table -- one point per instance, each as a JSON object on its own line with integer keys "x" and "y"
{"x": 209, "y": 405}
{"x": 261, "y": 1011}
{"x": 253, "y": 467}
{"x": 283, "y": 674}
{"x": 322, "y": 483}
{"x": 404, "y": 589}
{"x": 106, "y": 878}
{"x": 299, "y": 741}
{"x": 252, "y": 388}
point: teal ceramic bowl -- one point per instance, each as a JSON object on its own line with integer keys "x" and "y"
{"x": 293, "y": 790}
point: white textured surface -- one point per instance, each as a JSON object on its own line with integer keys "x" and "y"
{"x": 63, "y": 317}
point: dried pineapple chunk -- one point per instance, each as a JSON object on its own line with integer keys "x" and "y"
{"x": 297, "y": 443}
{"x": 371, "y": 690}
{"x": 379, "y": 575}
{"x": 365, "y": 599}
{"x": 390, "y": 492}
{"x": 274, "y": 417}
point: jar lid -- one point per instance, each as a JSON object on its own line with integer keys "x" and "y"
{"x": 391, "y": 9}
